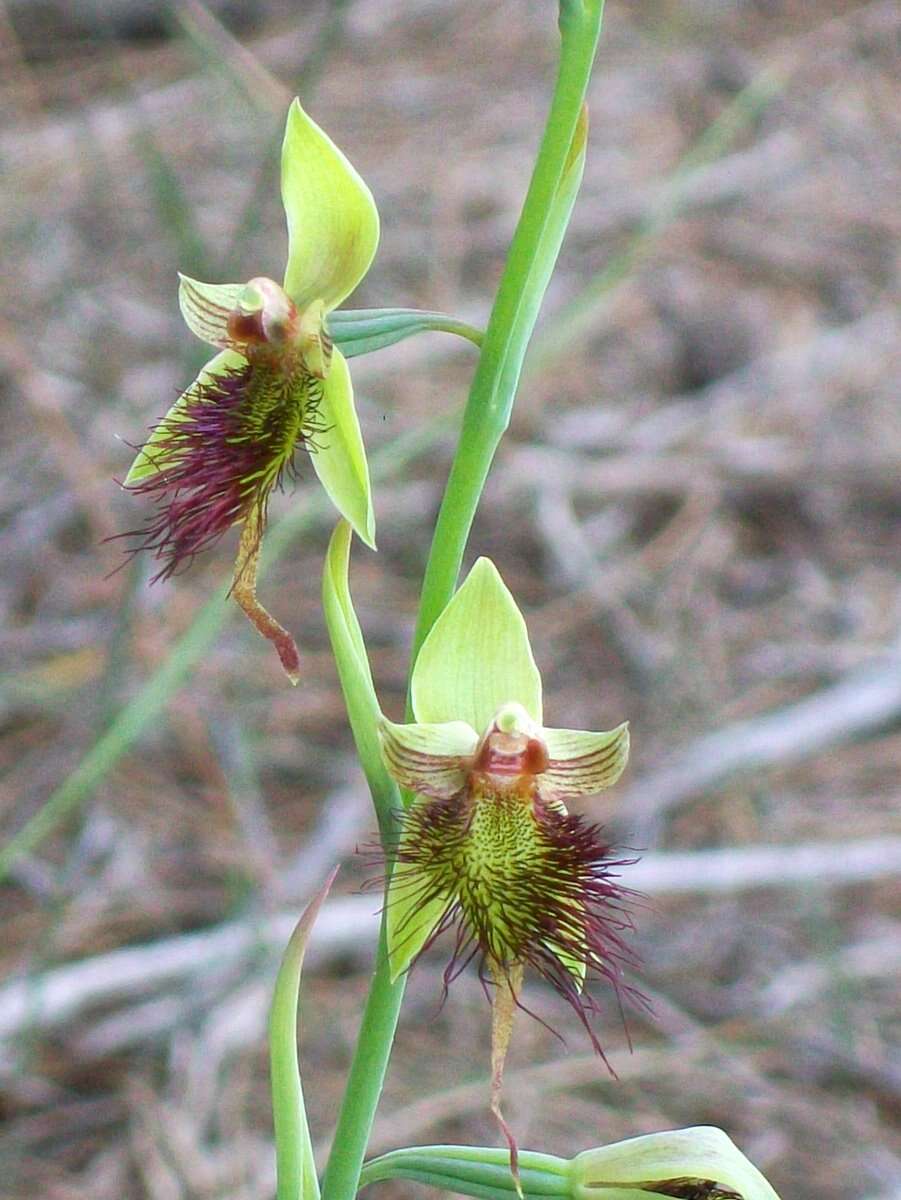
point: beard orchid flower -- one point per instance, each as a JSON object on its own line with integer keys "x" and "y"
{"x": 277, "y": 384}
{"x": 487, "y": 847}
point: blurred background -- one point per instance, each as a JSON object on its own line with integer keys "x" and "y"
{"x": 697, "y": 507}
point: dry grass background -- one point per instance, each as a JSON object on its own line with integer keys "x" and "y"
{"x": 698, "y": 507}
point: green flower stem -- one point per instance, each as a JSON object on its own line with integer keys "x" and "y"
{"x": 513, "y": 317}
{"x": 486, "y": 417}
{"x": 364, "y": 1082}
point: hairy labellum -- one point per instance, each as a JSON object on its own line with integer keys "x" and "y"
{"x": 222, "y": 453}
{"x": 526, "y": 883}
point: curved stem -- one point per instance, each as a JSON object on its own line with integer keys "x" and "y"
{"x": 486, "y": 417}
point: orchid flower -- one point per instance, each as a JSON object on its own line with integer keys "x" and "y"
{"x": 277, "y": 385}
{"x": 487, "y": 846}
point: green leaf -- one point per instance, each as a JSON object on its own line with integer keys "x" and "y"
{"x": 353, "y": 671}
{"x": 477, "y": 656}
{"x": 333, "y": 224}
{"x": 629, "y": 1170}
{"x": 148, "y": 460}
{"x": 340, "y": 459}
{"x": 360, "y": 331}
{"x": 296, "y": 1170}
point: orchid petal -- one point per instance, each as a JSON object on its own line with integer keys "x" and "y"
{"x": 340, "y": 457}
{"x": 583, "y": 763}
{"x": 333, "y": 224}
{"x": 477, "y": 656}
{"x": 431, "y": 760}
{"x": 206, "y": 308}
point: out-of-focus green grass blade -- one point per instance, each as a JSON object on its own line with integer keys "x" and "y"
{"x": 190, "y": 648}
{"x": 221, "y": 53}
{"x": 581, "y": 313}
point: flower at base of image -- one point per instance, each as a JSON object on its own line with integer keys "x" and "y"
{"x": 487, "y": 847}
{"x": 701, "y": 1163}
{"x": 277, "y": 385}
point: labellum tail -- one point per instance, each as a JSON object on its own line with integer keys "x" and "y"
{"x": 244, "y": 590}
{"x": 507, "y": 985}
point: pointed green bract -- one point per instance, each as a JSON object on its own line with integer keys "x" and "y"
{"x": 148, "y": 460}
{"x": 296, "y": 1170}
{"x": 206, "y": 307}
{"x": 625, "y": 1170}
{"x": 559, "y": 213}
{"x": 340, "y": 459}
{"x": 333, "y": 224}
{"x": 477, "y": 656}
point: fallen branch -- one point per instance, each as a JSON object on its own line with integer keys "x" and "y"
{"x": 863, "y": 702}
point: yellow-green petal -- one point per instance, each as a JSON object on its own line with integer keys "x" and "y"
{"x": 431, "y": 760}
{"x": 150, "y": 460}
{"x": 333, "y": 224}
{"x": 340, "y": 460}
{"x": 477, "y": 656}
{"x": 206, "y": 307}
{"x": 583, "y": 763}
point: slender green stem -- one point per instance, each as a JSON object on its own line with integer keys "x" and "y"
{"x": 486, "y": 417}
{"x": 364, "y": 1083}
{"x": 512, "y": 319}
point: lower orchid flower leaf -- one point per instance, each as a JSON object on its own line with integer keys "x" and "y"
{"x": 480, "y": 1171}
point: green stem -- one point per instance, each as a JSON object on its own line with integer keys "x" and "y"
{"x": 513, "y": 317}
{"x": 364, "y": 1083}
{"x": 486, "y": 417}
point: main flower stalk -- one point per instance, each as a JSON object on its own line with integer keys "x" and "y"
{"x": 486, "y": 417}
